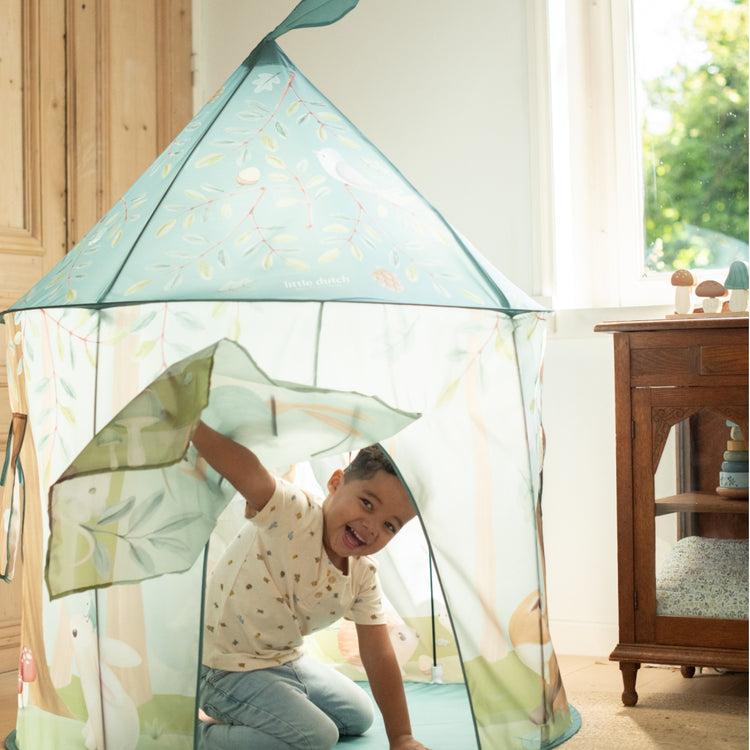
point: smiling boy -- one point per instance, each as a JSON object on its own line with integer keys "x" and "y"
{"x": 295, "y": 568}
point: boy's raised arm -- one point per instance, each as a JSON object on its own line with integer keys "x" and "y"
{"x": 238, "y": 465}
{"x": 384, "y": 674}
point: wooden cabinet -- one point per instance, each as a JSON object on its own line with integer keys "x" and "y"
{"x": 667, "y": 373}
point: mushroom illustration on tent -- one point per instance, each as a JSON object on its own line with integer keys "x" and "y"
{"x": 273, "y": 274}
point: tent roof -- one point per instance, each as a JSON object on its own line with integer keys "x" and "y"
{"x": 270, "y": 193}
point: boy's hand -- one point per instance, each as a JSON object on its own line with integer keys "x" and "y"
{"x": 406, "y": 742}
{"x": 384, "y": 674}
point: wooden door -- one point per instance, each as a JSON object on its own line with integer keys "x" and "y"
{"x": 90, "y": 93}
{"x": 32, "y": 195}
{"x": 129, "y": 95}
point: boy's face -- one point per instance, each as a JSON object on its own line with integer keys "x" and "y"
{"x": 362, "y": 515}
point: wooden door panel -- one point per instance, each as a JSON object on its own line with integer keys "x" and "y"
{"x": 11, "y": 123}
{"x": 32, "y": 194}
{"x": 130, "y": 94}
{"x": 32, "y": 154}
{"x": 90, "y": 93}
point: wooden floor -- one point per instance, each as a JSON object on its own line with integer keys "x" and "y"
{"x": 583, "y": 677}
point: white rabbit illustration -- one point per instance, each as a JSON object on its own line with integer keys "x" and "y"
{"x": 112, "y": 713}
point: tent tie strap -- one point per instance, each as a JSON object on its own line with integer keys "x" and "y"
{"x": 11, "y": 469}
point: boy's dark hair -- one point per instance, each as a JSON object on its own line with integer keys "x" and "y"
{"x": 368, "y": 462}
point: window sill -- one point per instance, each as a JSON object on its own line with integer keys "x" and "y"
{"x": 577, "y": 324}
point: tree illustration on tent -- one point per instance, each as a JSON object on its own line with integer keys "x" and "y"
{"x": 273, "y": 274}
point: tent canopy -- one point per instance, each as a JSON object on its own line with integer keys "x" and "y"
{"x": 270, "y": 193}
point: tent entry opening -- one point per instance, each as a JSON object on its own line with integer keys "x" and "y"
{"x": 417, "y": 618}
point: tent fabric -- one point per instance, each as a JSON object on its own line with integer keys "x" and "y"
{"x": 478, "y": 504}
{"x": 12, "y": 497}
{"x": 139, "y": 495}
{"x": 239, "y": 207}
{"x": 252, "y": 279}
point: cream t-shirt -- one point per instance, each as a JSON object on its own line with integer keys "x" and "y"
{"x": 275, "y": 584}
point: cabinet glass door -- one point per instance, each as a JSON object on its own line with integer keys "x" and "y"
{"x": 691, "y": 532}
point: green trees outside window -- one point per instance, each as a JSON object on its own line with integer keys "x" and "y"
{"x": 695, "y": 141}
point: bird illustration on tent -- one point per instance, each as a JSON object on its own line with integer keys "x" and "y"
{"x": 274, "y": 275}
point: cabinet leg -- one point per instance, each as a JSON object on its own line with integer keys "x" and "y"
{"x": 687, "y": 671}
{"x": 629, "y": 671}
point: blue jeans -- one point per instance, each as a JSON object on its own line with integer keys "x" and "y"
{"x": 301, "y": 705}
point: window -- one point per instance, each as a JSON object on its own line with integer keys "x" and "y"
{"x": 649, "y": 110}
{"x": 691, "y": 67}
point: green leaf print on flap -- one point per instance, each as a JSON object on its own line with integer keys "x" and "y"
{"x": 138, "y": 501}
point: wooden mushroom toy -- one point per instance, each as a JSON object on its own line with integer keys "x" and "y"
{"x": 737, "y": 283}
{"x": 683, "y": 282}
{"x": 711, "y": 291}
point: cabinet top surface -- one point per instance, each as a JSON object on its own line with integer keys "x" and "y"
{"x": 673, "y": 324}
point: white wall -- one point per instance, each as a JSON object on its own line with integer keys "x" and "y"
{"x": 442, "y": 89}
{"x": 442, "y": 93}
{"x": 578, "y": 501}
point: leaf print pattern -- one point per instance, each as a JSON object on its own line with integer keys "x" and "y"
{"x": 134, "y": 499}
{"x": 271, "y": 193}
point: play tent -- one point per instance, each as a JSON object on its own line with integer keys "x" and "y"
{"x": 273, "y": 274}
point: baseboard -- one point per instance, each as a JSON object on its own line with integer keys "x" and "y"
{"x": 583, "y": 638}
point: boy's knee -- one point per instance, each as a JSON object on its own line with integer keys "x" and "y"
{"x": 360, "y": 716}
{"x": 212, "y": 736}
{"x": 322, "y": 736}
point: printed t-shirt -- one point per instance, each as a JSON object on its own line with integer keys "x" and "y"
{"x": 275, "y": 584}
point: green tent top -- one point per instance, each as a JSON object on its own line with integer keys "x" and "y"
{"x": 270, "y": 193}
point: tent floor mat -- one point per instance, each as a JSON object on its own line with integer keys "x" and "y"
{"x": 441, "y": 719}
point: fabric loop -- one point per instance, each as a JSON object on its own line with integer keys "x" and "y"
{"x": 10, "y": 507}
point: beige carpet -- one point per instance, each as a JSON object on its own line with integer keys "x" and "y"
{"x": 707, "y": 712}
{"x": 662, "y": 721}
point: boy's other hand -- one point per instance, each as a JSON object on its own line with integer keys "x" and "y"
{"x": 406, "y": 742}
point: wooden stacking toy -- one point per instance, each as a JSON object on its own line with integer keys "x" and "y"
{"x": 733, "y": 477}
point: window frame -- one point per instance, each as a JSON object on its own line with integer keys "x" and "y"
{"x": 595, "y": 256}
